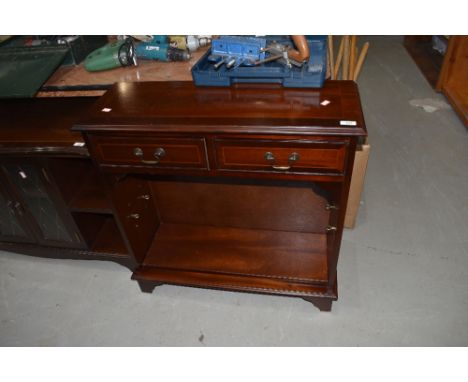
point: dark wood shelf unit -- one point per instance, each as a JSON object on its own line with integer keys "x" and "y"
{"x": 241, "y": 189}
{"x": 36, "y": 134}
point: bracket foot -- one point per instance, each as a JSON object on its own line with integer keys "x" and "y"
{"x": 323, "y": 304}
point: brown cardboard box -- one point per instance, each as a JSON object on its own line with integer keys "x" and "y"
{"x": 357, "y": 183}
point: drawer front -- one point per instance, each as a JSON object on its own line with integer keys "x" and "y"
{"x": 295, "y": 156}
{"x": 164, "y": 152}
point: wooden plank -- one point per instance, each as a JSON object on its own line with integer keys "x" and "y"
{"x": 278, "y": 254}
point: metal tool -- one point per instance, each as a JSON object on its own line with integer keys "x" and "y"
{"x": 160, "y": 49}
{"x": 189, "y": 42}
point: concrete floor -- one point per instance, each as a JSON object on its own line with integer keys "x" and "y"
{"x": 403, "y": 271}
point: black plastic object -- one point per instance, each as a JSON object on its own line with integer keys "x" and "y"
{"x": 23, "y": 70}
{"x": 81, "y": 46}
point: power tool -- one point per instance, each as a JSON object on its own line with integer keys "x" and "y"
{"x": 159, "y": 48}
{"x": 189, "y": 42}
{"x": 113, "y": 55}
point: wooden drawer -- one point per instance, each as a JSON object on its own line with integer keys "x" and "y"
{"x": 155, "y": 152}
{"x": 293, "y": 156}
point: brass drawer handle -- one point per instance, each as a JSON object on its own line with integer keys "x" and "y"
{"x": 281, "y": 168}
{"x": 158, "y": 154}
{"x": 293, "y": 157}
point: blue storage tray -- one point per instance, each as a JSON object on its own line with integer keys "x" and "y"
{"x": 310, "y": 75}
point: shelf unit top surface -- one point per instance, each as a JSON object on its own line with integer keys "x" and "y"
{"x": 334, "y": 109}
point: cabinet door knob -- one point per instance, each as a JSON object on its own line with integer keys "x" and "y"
{"x": 330, "y": 229}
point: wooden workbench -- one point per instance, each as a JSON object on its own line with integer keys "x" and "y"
{"x": 77, "y": 77}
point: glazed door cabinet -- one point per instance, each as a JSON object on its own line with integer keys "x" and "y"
{"x": 31, "y": 206}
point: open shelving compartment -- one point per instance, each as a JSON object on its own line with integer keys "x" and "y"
{"x": 230, "y": 235}
{"x": 82, "y": 189}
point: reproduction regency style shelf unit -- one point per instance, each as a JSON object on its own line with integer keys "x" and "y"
{"x": 240, "y": 189}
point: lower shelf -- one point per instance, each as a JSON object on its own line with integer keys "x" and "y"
{"x": 280, "y": 262}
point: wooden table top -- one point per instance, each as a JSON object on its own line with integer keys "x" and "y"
{"x": 181, "y": 106}
{"x": 42, "y": 124}
{"x": 146, "y": 70}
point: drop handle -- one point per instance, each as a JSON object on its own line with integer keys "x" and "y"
{"x": 270, "y": 157}
{"x": 158, "y": 154}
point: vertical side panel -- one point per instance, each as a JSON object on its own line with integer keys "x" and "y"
{"x": 136, "y": 213}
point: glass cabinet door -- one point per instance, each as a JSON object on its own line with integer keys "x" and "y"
{"x": 11, "y": 227}
{"x": 31, "y": 187}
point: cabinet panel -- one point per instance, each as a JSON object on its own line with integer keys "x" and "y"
{"x": 11, "y": 227}
{"x": 246, "y": 204}
{"x": 29, "y": 183}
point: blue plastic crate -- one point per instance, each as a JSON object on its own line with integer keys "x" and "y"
{"x": 310, "y": 75}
